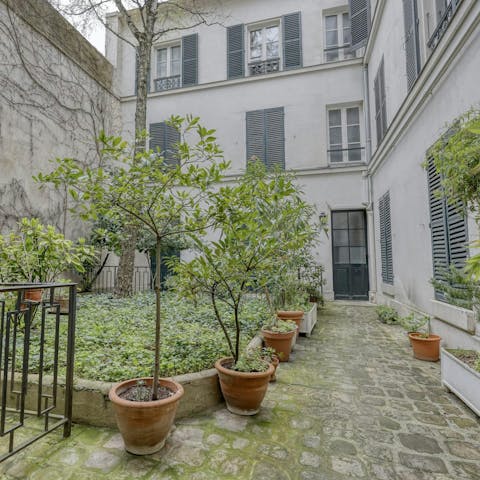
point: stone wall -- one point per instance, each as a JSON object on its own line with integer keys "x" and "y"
{"x": 55, "y": 98}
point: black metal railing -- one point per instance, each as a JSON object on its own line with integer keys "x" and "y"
{"x": 106, "y": 280}
{"x": 443, "y": 23}
{"x": 167, "y": 83}
{"x": 264, "y": 66}
{"x": 30, "y": 329}
{"x": 342, "y": 52}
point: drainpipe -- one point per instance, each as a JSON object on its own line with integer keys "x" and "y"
{"x": 372, "y": 257}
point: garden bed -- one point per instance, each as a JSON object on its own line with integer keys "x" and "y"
{"x": 115, "y": 337}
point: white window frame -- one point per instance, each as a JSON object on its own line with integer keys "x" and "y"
{"x": 343, "y": 53}
{"x": 263, "y": 26}
{"x": 154, "y": 61}
{"x": 343, "y": 113}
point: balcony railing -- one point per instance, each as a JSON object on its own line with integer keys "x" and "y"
{"x": 167, "y": 83}
{"x": 264, "y": 66}
{"x": 343, "y": 156}
{"x": 342, "y": 52}
{"x": 443, "y": 23}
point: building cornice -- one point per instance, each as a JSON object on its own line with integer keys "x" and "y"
{"x": 456, "y": 36}
{"x": 260, "y": 78}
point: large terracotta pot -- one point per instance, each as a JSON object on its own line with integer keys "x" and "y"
{"x": 145, "y": 425}
{"x": 243, "y": 391}
{"x": 425, "y": 348}
{"x": 280, "y": 342}
{"x": 294, "y": 315}
{"x": 34, "y": 295}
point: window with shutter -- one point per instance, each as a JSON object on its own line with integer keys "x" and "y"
{"x": 448, "y": 228}
{"x": 292, "y": 41}
{"x": 337, "y": 39}
{"x": 168, "y": 68}
{"x": 235, "y": 51}
{"x": 266, "y": 136}
{"x": 380, "y": 103}
{"x": 190, "y": 60}
{"x": 386, "y": 238}
{"x": 360, "y": 22}
{"x": 163, "y": 139}
{"x": 412, "y": 52}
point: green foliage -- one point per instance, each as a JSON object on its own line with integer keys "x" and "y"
{"x": 252, "y": 361}
{"x": 458, "y": 287}
{"x": 387, "y": 314}
{"x": 280, "y": 326}
{"x": 38, "y": 253}
{"x": 114, "y": 339}
{"x": 250, "y": 237}
{"x": 415, "y": 322}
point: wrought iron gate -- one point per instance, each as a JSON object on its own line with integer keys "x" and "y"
{"x": 37, "y": 332}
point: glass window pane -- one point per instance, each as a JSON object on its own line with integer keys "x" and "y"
{"x": 175, "y": 53}
{"x": 356, "y": 220}
{"x": 358, "y": 255}
{"x": 175, "y": 68}
{"x": 334, "y": 118}
{"x": 341, "y": 255}
{"x": 336, "y": 136}
{"x": 340, "y": 220}
{"x": 357, "y": 238}
{"x": 353, "y": 116}
{"x": 346, "y": 29}
{"x": 355, "y": 155}
{"x": 331, "y": 56}
{"x": 162, "y": 63}
{"x": 272, "y": 50}
{"x": 331, "y": 22}
{"x": 256, "y": 44}
{"x": 272, "y": 34}
{"x": 340, "y": 238}
{"x": 332, "y": 38}
{"x": 336, "y": 157}
{"x": 353, "y": 134}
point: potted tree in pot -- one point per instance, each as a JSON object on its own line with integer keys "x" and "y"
{"x": 165, "y": 199}
{"x": 239, "y": 256}
{"x": 426, "y": 346}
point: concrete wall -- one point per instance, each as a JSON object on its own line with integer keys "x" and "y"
{"x": 446, "y": 88}
{"x": 55, "y": 98}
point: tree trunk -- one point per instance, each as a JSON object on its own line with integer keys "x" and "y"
{"x": 124, "y": 285}
{"x": 158, "y": 293}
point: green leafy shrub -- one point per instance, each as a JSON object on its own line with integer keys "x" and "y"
{"x": 252, "y": 361}
{"x": 280, "y": 326}
{"x": 415, "y": 322}
{"x": 113, "y": 339}
{"x": 387, "y": 314}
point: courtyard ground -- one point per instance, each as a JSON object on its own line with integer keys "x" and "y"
{"x": 353, "y": 403}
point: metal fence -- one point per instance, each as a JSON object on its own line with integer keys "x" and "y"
{"x": 106, "y": 281}
{"x": 31, "y": 318}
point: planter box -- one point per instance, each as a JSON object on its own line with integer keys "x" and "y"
{"x": 309, "y": 320}
{"x": 461, "y": 380}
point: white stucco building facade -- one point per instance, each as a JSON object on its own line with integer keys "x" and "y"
{"x": 279, "y": 79}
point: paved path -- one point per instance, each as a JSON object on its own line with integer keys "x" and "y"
{"x": 352, "y": 404}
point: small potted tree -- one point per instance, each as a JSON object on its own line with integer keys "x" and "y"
{"x": 238, "y": 257}
{"x": 426, "y": 346}
{"x": 165, "y": 199}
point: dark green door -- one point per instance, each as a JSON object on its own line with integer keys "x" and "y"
{"x": 350, "y": 259}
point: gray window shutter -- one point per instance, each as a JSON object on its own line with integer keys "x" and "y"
{"x": 412, "y": 53}
{"x": 380, "y": 103}
{"x": 359, "y": 22}
{"x": 383, "y": 98}
{"x": 190, "y": 60}
{"x": 256, "y": 135}
{"x": 386, "y": 239}
{"x": 292, "y": 41}
{"x": 163, "y": 138}
{"x": 235, "y": 51}
{"x": 275, "y": 137}
{"x": 448, "y": 229}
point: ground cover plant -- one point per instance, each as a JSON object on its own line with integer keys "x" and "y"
{"x": 114, "y": 339}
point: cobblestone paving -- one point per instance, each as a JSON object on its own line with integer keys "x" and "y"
{"x": 352, "y": 403}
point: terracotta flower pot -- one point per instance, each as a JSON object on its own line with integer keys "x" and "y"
{"x": 275, "y": 362}
{"x": 280, "y": 342}
{"x": 425, "y": 348}
{"x": 145, "y": 425}
{"x": 243, "y": 391}
{"x": 34, "y": 295}
{"x": 294, "y": 315}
